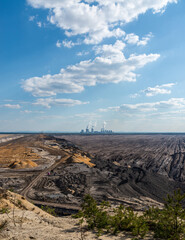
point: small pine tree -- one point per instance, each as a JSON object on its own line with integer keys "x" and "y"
{"x": 169, "y": 223}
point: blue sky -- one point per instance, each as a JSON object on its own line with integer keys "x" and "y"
{"x": 66, "y": 64}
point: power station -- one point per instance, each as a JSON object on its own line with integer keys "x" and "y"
{"x": 90, "y": 130}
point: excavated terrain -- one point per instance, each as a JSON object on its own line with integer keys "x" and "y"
{"x": 134, "y": 165}
{"x": 163, "y": 154}
{"x": 136, "y": 170}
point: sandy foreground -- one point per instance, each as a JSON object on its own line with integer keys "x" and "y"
{"x": 26, "y": 221}
{"x": 33, "y": 226}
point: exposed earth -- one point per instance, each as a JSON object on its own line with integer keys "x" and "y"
{"x": 25, "y": 221}
{"x": 57, "y": 171}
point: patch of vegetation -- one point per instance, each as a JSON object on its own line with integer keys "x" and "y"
{"x": 4, "y": 210}
{"x": 49, "y": 210}
{"x": 166, "y": 223}
{"x": 169, "y": 222}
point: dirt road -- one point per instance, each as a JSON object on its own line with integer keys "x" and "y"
{"x": 25, "y": 191}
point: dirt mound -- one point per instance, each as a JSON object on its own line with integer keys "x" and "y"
{"x": 78, "y": 158}
{"x": 22, "y": 164}
{"x": 13, "y": 152}
{"x": 10, "y": 200}
{"x": 26, "y": 221}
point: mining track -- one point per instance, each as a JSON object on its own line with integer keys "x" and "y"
{"x": 124, "y": 166}
{"x": 35, "y": 141}
{"x": 25, "y": 191}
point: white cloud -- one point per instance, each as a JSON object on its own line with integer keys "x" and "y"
{"x": 88, "y": 116}
{"x": 29, "y": 111}
{"x": 31, "y": 18}
{"x": 98, "y": 36}
{"x": 48, "y": 102}
{"x": 177, "y": 104}
{"x": 135, "y": 95}
{"x": 26, "y": 111}
{"x": 95, "y": 19}
{"x": 110, "y": 51}
{"x": 159, "y": 89}
{"x": 12, "y": 106}
{"x": 39, "y": 24}
{"x": 145, "y": 40}
{"x": 153, "y": 91}
{"x": 58, "y": 44}
{"x": 83, "y": 53}
{"x": 110, "y": 66}
{"x": 134, "y": 39}
{"x": 69, "y": 44}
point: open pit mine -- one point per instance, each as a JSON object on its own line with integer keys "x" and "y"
{"x": 58, "y": 170}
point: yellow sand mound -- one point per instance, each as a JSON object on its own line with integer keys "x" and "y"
{"x": 78, "y": 158}
{"x": 13, "y": 152}
{"x": 23, "y": 164}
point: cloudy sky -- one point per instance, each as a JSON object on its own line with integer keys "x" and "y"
{"x": 69, "y": 63}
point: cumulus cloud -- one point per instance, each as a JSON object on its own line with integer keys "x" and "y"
{"x": 39, "y": 24}
{"x": 70, "y": 44}
{"x": 26, "y": 111}
{"x": 158, "y": 89}
{"x": 160, "y": 106}
{"x": 83, "y": 53}
{"x": 95, "y": 19}
{"x": 12, "y": 106}
{"x": 153, "y": 91}
{"x": 134, "y": 39}
{"x": 31, "y": 18}
{"x": 109, "y": 66}
{"x": 48, "y": 102}
{"x": 58, "y": 44}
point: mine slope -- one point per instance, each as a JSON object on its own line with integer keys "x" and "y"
{"x": 135, "y": 170}
{"x": 133, "y": 165}
{"x": 164, "y": 154}
{"x": 25, "y": 221}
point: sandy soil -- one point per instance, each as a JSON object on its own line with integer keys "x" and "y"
{"x": 15, "y": 153}
{"x": 25, "y": 221}
{"x": 39, "y": 228}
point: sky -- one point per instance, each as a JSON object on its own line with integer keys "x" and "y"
{"x": 69, "y": 64}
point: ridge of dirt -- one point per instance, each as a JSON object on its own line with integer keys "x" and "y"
{"x": 22, "y": 164}
{"x": 25, "y": 221}
{"x": 14, "y": 153}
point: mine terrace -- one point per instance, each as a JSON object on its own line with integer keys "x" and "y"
{"x": 58, "y": 170}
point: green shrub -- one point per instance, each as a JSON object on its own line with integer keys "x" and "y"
{"x": 4, "y": 210}
{"x": 96, "y": 216}
{"x": 124, "y": 219}
{"x": 49, "y": 210}
{"x": 169, "y": 222}
{"x": 99, "y": 219}
{"x": 166, "y": 223}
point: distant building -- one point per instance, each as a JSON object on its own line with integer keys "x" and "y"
{"x": 87, "y": 131}
{"x": 103, "y": 131}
